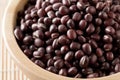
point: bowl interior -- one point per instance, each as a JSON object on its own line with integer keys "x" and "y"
{"x": 33, "y": 71}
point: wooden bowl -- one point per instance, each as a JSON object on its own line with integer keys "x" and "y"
{"x": 33, "y": 71}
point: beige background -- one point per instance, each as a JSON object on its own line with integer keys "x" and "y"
{"x": 2, "y": 6}
{"x": 8, "y": 70}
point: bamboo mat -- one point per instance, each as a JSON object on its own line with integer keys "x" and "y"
{"x": 8, "y": 69}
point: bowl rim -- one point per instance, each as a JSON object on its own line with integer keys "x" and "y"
{"x": 27, "y": 66}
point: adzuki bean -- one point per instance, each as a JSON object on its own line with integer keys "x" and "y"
{"x": 73, "y": 38}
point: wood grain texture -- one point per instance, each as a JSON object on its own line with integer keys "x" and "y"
{"x": 8, "y": 69}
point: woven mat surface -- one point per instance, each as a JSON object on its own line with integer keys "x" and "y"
{"x": 8, "y": 70}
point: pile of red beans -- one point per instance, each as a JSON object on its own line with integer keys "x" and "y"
{"x": 73, "y": 38}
